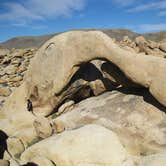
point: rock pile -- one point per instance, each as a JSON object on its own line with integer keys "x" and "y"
{"x": 13, "y": 65}
{"x": 142, "y": 46}
{"x": 61, "y": 113}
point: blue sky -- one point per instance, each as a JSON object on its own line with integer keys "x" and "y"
{"x": 37, "y": 17}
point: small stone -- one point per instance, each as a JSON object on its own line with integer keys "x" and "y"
{"x": 65, "y": 107}
{"x": 43, "y": 127}
{"x": 97, "y": 87}
{"x": 16, "y": 62}
{"x": 10, "y": 69}
{"x": 4, "y": 52}
{"x": 16, "y": 79}
{"x": 3, "y": 80}
{"x": 17, "y": 53}
{"x": 153, "y": 44}
{"x": 22, "y": 69}
{"x": 2, "y": 72}
{"x": 16, "y": 84}
{"x": 6, "y": 60}
{"x": 15, "y": 147}
{"x": 4, "y": 91}
{"x": 140, "y": 40}
{"x": 126, "y": 39}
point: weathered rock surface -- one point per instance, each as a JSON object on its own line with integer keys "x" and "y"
{"x": 139, "y": 125}
{"x": 4, "y": 163}
{"x": 143, "y": 46}
{"x": 129, "y": 115}
{"x": 163, "y": 46}
{"x": 138, "y": 68}
{"x": 43, "y": 127}
{"x": 4, "y": 91}
{"x": 78, "y": 147}
{"x": 154, "y": 160}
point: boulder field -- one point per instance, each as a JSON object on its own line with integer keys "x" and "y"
{"x": 84, "y": 99}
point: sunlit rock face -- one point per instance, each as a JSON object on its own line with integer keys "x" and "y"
{"x": 84, "y": 99}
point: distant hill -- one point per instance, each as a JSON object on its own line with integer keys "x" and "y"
{"x": 37, "y": 41}
{"x": 158, "y": 36}
{"x": 25, "y": 42}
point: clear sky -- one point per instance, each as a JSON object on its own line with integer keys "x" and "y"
{"x": 36, "y": 17}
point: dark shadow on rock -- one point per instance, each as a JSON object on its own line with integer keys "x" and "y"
{"x": 33, "y": 164}
{"x": 3, "y": 144}
{"x": 114, "y": 72}
{"x": 77, "y": 89}
{"x": 30, "y": 164}
{"x": 88, "y": 72}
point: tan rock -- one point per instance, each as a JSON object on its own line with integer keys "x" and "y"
{"x": 139, "y": 125}
{"x": 18, "y": 53}
{"x": 43, "y": 127}
{"x": 13, "y": 162}
{"x": 42, "y": 161}
{"x": 126, "y": 39}
{"x": 4, "y": 163}
{"x": 145, "y": 75}
{"x": 6, "y": 155}
{"x": 15, "y": 147}
{"x": 17, "y": 122}
{"x": 17, "y": 78}
{"x": 16, "y": 61}
{"x": 44, "y": 89}
{"x": 22, "y": 69}
{"x": 4, "y": 91}
{"x": 153, "y": 44}
{"x": 15, "y": 84}
{"x": 87, "y": 148}
{"x": 129, "y": 49}
{"x": 10, "y": 69}
{"x": 2, "y": 81}
{"x": 21, "y": 140}
{"x": 4, "y": 52}
{"x": 66, "y": 107}
{"x": 140, "y": 40}
{"x": 97, "y": 87}
{"x": 163, "y": 46}
{"x": 6, "y": 60}
{"x": 2, "y": 72}
{"x": 142, "y": 44}
{"x": 154, "y": 160}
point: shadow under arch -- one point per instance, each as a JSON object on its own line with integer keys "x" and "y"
{"x": 128, "y": 86}
{"x": 112, "y": 80}
{"x": 3, "y": 144}
{"x": 30, "y": 164}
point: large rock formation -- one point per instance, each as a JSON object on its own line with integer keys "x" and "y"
{"x": 139, "y": 124}
{"x": 62, "y": 73}
{"x": 46, "y": 79}
{"x": 82, "y": 47}
{"x": 68, "y": 150}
